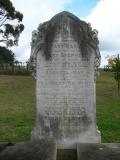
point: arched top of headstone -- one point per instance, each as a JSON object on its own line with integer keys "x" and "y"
{"x": 66, "y": 14}
{"x": 65, "y": 23}
{"x": 65, "y": 27}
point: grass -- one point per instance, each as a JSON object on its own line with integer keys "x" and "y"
{"x": 108, "y": 108}
{"x": 66, "y": 154}
{"x": 17, "y": 108}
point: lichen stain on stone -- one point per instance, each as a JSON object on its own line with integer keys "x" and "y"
{"x": 49, "y": 40}
{"x": 78, "y": 30}
{"x": 63, "y": 126}
{"x": 55, "y": 126}
{"x": 51, "y": 126}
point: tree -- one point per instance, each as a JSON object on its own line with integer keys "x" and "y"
{"x": 110, "y": 59}
{"x": 9, "y": 34}
{"x": 114, "y": 62}
{"x": 6, "y": 55}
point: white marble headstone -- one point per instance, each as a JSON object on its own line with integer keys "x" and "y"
{"x": 66, "y": 57}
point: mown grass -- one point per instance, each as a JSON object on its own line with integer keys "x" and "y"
{"x": 108, "y": 108}
{"x": 17, "y": 108}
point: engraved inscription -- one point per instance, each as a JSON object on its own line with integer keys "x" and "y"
{"x": 65, "y": 53}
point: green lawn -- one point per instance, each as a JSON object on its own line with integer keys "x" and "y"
{"x": 108, "y": 108}
{"x": 17, "y": 107}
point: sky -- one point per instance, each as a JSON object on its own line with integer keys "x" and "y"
{"x": 102, "y": 14}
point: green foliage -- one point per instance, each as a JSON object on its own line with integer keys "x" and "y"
{"x": 9, "y": 33}
{"x": 116, "y": 68}
{"x": 114, "y": 62}
{"x": 6, "y": 55}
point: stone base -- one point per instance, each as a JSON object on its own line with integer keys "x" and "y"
{"x": 107, "y": 151}
{"x": 87, "y": 137}
{"x": 47, "y": 150}
{"x": 33, "y": 150}
{"x": 90, "y": 136}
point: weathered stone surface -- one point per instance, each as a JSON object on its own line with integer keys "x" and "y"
{"x": 33, "y": 150}
{"x": 106, "y": 151}
{"x": 3, "y": 145}
{"x": 65, "y": 56}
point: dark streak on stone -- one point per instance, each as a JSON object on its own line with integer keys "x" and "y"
{"x": 79, "y": 31}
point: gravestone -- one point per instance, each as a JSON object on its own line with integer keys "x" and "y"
{"x": 65, "y": 57}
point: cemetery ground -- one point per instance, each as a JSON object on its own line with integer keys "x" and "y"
{"x": 17, "y": 109}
